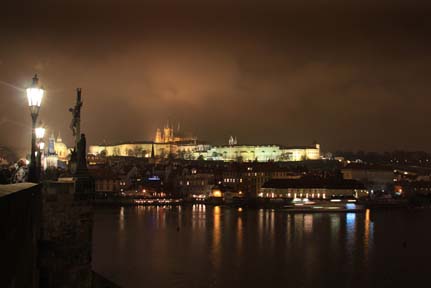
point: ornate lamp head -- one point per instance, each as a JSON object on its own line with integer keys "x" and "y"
{"x": 34, "y": 95}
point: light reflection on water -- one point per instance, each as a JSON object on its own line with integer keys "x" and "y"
{"x": 350, "y": 228}
{"x": 368, "y": 235}
{"x": 198, "y": 216}
{"x": 215, "y": 251}
{"x": 202, "y": 246}
{"x": 121, "y": 222}
{"x": 308, "y": 223}
{"x": 239, "y": 235}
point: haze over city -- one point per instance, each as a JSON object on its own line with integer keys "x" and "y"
{"x": 349, "y": 74}
{"x": 215, "y": 143}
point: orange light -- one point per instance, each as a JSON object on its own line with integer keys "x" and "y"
{"x": 217, "y": 193}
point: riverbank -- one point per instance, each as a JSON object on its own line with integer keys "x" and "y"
{"x": 284, "y": 205}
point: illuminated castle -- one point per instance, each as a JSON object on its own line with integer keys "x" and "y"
{"x": 170, "y": 141}
{"x": 168, "y": 135}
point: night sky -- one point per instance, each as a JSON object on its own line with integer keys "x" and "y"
{"x": 351, "y": 76}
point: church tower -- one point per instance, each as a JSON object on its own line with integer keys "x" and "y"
{"x": 168, "y": 133}
{"x": 51, "y": 145}
{"x": 52, "y": 157}
{"x": 158, "y": 138}
{"x": 232, "y": 141}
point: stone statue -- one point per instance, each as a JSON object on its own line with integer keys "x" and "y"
{"x": 75, "y": 125}
{"x": 84, "y": 183}
{"x": 78, "y": 159}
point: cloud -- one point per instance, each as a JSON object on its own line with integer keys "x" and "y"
{"x": 345, "y": 74}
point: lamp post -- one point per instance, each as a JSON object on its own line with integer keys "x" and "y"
{"x": 40, "y": 133}
{"x": 34, "y": 96}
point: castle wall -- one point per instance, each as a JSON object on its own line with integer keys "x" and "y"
{"x": 134, "y": 149}
{"x": 246, "y": 153}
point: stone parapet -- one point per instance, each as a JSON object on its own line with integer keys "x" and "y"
{"x": 20, "y": 209}
{"x": 66, "y": 234}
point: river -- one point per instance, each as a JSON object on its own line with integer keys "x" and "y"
{"x": 213, "y": 246}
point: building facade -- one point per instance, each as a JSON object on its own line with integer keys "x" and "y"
{"x": 169, "y": 135}
{"x": 61, "y": 149}
{"x": 374, "y": 178}
{"x": 312, "y": 188}
{"x": 259, "y": 153}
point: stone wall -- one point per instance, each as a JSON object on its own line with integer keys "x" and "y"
{"x": 19, "y": 231}
{"x": 66, "y": 235}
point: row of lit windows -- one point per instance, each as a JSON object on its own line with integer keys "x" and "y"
{"x": 423, "y": 189}
{"x": 256, "y": 174}
{"x": 193, "y": 183}
{"x": 104, "y": 187}
{"x": 294, "y": 195}
{"x": 232, "y": 180}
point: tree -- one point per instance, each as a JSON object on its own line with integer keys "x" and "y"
{"x": 8, "y": 154}
{"x": 103, "y": 153}
{"x": 189, "y": 155}
{"x": 284, "y": 157}
{"x": 181, "y": 154}
{"x": 137, "y": 151}
{"x": 171, "y": 156}
{"x": 116, "y": 151}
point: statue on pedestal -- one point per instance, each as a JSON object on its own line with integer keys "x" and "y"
{"x": 78, "y": 159}
{"x": 75, "y": 125}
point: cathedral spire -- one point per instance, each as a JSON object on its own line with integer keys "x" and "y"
{"x": 59, "y": 137}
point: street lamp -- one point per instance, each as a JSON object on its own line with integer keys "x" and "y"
{"x": 34, "y": 96}
{"x": 40, "y": 133}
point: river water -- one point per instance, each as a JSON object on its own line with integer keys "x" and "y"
{"x": 213, "y": 246}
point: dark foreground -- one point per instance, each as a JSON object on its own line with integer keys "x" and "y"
{"x": 207, "y": 246}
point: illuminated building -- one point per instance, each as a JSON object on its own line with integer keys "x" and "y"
{"x": 374, "y": 177}
{"x": 166, "y": 143}
{"x": 61, "y": 149}
{"x": 51, "y": 158}
{"x": 133, "y": 149}
{"x": 216, "y": 193}
{"x": 260, "y": 153}
{"x": 301, "y": 153}
{"x": 233, "y": 141}
{"x": 250, "y": 177}
{"x": 56, "y": 151}
{"x": 413, "y": 188}
{"x": 192, "y": 183}
{"x": 192, "y": 150}
{"x": 170, "y": 142}
{"x": 241, "y": 153}
{"x": 225, "y": 194}
{"x": 171, "y": 136}
{"x": 312, "y": 188}
{"x": 106, "y": 181}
